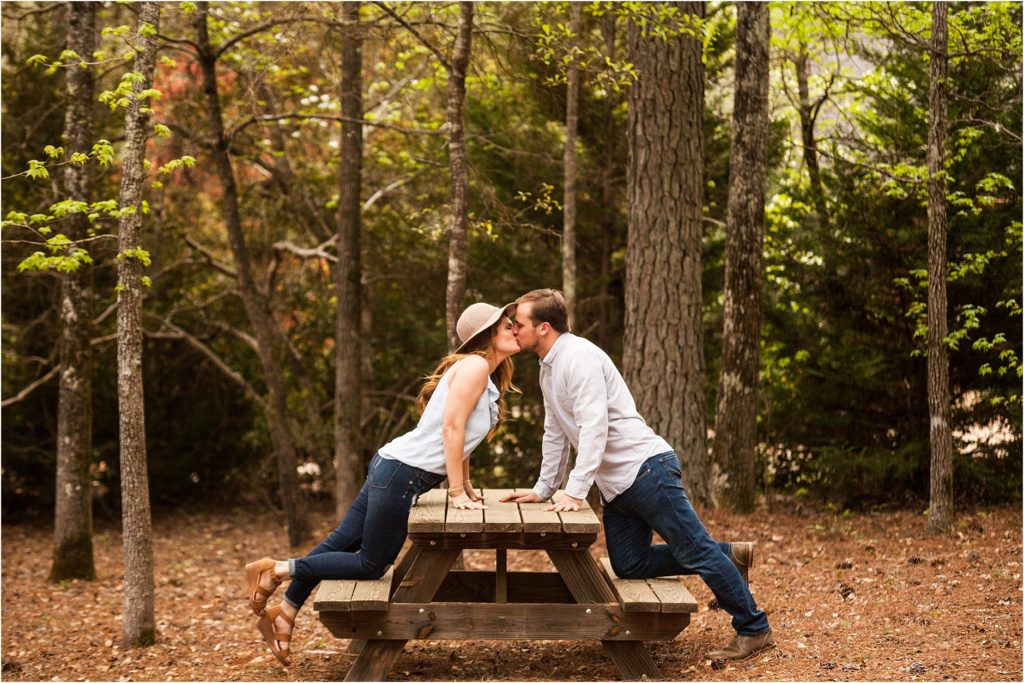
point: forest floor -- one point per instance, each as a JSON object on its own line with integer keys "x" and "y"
{"x": 857, "y": 597}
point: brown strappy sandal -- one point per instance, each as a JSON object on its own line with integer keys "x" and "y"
{"x": 253, "y": 572}
{"x": 271, "y": 636}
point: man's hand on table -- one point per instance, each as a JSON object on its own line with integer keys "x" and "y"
{"x": 566, "y": 504}
{"x": 521, "y": 497}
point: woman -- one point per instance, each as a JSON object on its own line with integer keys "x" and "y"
{"x": 461, "y": 402}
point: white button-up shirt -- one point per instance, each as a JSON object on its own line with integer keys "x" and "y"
{"x": 587, "y": 404}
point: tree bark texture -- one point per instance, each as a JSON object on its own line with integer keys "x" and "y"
{"x": 257, "y": 308}
{"x": 572, "y": 98}
{"x": 139, "y": 627}
{"x": 663, "y": 349}
{"x": 459, "y": 219}
{"x": 808, "y": 116}
{"x": 940, "y": 509}
{"x": 348, "y": 272}
{"x": 736, "y": 415}
{"x": 608, "y": 172}
{"x": 72, "y": 537}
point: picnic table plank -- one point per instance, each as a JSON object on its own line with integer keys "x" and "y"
{"x": 536, "y": 519}
{"x": 427, "y": 516}
{"x": 483, "y": 621}
{"x": 674, "y": 596}
{"x": 583, "y": 521}
{"x": 334, "y": 595}
{"x": 501, "y": 517}
{"x": 373, "y": 595}
{"x": 635, "y": 595}
{"x": 464, "y": 521}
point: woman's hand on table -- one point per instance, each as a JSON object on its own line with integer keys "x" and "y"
{"x": 470, "y": 491}
{"x": 464, "y": 502}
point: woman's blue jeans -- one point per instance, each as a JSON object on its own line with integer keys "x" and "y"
{"x": 656, "y": 501}
{"x": 372, "y": 533}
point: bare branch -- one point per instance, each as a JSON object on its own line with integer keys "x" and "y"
{"x": 388, "y": 188}
{"x": 178, "y": 41}
{"x": 247, "y": 338}
{"x": 175, "y": 332}
{"x": 315, "y": 252}
{"x": 21, "y": 395}
{"x": 211, "y": 259}
{"x": 873, "y": 169}
{"x": 46, "y": 8}
{"x": 257, "y": 29}
{"x": 430, "y": 46}
{"x": 329, "y": 117}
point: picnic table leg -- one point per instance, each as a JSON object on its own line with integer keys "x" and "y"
{"x": 425, "y": 574}
{"x": 500, "y": 576}
{"x": 588, "y": 585}
{"x": 375, "y": 660}
{"x": 401, "y": 569}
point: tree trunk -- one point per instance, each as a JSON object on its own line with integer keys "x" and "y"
{"x": 256, "y": 307}
{"x": 940, "y": 512}
{"x": 348, "y": 272}
{"x": 460, "y": 181}
{"x": 572, "y": 97}
{"x": 663, "y": 354}
{"x": 736, "y": 416}
{"x": 139, "y": 628}
{"x": 608, "y": 226}
{"x": 72, "y": 537}
{"x": 808, "y": 116}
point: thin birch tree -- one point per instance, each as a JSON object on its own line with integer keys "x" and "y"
{"x": 139, "y": 627}
{"x": 72, "y": 534}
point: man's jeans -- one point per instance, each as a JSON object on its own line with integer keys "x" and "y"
{"x": 372, "y": 533}
{"x": 656, "y": 501}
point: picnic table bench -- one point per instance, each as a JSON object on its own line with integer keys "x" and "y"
{"x": 422, "y": 597}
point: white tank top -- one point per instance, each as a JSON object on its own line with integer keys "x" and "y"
{"x": 423, "y": 447}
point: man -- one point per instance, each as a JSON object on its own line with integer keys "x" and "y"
{"x": 587, "y": 405}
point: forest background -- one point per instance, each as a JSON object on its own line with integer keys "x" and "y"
{"x": 236, "y": 236}
{"x": 260, "y": 381}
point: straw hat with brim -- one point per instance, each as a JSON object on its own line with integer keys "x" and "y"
{"x": 476, "y": 319}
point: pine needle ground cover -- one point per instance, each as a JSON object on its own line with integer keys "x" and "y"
{"x": 860, "y": 597}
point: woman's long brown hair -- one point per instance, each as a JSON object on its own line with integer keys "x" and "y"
{"x": 502, "y": 375}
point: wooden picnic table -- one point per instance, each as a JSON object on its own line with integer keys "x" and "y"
{"x": 423, "y": 597}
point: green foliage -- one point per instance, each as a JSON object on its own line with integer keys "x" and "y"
{"x": 138, "y": 253}
{"x": 843, "y": 412}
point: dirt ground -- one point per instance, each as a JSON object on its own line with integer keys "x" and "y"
{"x": 861, "y": 597}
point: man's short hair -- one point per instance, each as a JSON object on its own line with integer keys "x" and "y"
{"x": 548, "y": 307}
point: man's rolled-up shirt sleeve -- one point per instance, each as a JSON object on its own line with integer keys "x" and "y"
{"x": 555, "y": 455}
{"x": 589, "y": 393}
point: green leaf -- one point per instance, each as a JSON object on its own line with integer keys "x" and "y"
{"x": 104, "y": 152}
{"x": 37, "y": 169}
{"x": 147, "y": 30}
{"x": 138, "y": 253}
{"x": 38, "y": 60}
